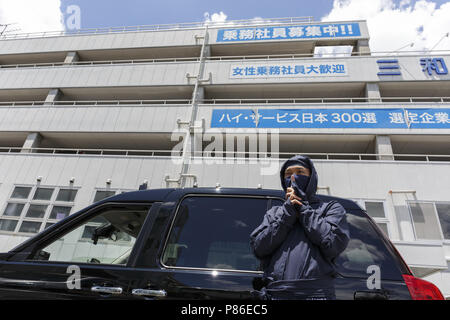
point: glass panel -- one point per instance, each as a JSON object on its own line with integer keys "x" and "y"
{"x": 36, "y": 211}
{"x": 100, "y": 195}
{"x": 43, "y": 194}
{"x": 113, "y": 244}
{"x": 21, "y": 192}
{"x": 8, "y": 225}
{"x": 13, "y": 209}
{"x": 224, "y": 243}
{"x": 60, "y": 212}
{"x": 425, "y": 221}
{"x": 49, "y": 224}
{"x": 67, "y": 195}
{"x": 375, "y": 209}
{"x": 383, "y": 227}
{"x": 30, "y": 227}
{"x": 364, "y": 249}
{"x": 443, "y": 210}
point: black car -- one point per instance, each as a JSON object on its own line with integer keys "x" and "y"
{"x": 188, "y": 243}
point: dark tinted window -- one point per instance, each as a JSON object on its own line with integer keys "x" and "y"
{"x": 100, "y": 195}
{"x": 443, "y": 210}
{"x": 214, "y": 232}
{"x": 21, "y": 192}
{"x": 67, "y": 195}
{"x": 364, "y": 249}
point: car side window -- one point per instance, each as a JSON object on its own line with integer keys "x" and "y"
{"x": 364, "y": 249}
{"x": 213, "y": 232}
{"x": 107, "y": 237}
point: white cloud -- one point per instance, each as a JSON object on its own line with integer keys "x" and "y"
{"x": 216, "y": 19}
{"x": 394, "y": 26}
{"x": 31, "y": 15}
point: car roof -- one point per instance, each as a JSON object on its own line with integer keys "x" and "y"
{"x": 162, "y": 194}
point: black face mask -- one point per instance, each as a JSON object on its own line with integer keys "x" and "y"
{"x": 300, "y": 183}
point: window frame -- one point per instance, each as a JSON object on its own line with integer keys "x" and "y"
{"x": 83, "y": 218}
{"x": 362, "y": 203}
{"x": 441, "y": 233}
{"x": 439, "y": 220}
{"x": 117, "y": 191}
{"x": 177, "y": 210}
{"x": 30, "y": 201}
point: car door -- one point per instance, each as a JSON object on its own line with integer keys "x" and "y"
{"x": 86, "y": 258}
{"x": 206, "y": 253}
{"x": 365, "y": 258}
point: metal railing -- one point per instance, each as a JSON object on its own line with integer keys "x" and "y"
{"x": 352, "y": 100}
{"x": 87, "y": 151}
{"x": 159, "y": 27}
{"x": 372, "y": 54}
{"x": 297, "y": 56}
{"x": 227, "y": 154}
{"x": 99, "y": 62}
{"x": 208, "y": 102}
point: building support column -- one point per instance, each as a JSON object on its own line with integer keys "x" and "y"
{"x": 383, "y": 147}
{"x": 71, "y": 57}
{"x": 52, "y": 96}
{"x": 373, "y": 92}
{"x": 362, "y": 48}
{"x": 33, "y": 140}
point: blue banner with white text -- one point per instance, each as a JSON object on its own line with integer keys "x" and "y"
{"x": 386, "y": 118}
{"x": 334, "y": 30}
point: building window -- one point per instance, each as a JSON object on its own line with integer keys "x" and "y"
{"x": 101, "y": 194}
{"x": 376, "y": 210}
{"x": 425, "y": 220}
{"x": 114, "y": 246}
{"x": 31, "y": 209}
{"x": 443, "y": 211}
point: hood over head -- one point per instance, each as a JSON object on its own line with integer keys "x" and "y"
{"x": 306, "y": 162}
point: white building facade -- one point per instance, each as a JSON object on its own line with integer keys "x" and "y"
{"x": 90, "y": 114}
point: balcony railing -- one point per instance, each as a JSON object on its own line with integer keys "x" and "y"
{"x": 230, "y": 102}
{"x": 227, "y": 154}
{"x": 225, "y": 58}
{"x": 159, "y": 27}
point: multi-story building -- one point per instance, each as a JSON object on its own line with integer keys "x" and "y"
{"x": 88, "y": 114}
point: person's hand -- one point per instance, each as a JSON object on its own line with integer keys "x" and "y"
{"x": 290, "y": 194}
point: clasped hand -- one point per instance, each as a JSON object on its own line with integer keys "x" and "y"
{"x": 290, "y": 194}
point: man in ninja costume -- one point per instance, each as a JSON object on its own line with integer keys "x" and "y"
{"x": 298, "y": 241}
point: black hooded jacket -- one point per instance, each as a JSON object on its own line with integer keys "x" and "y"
{"x": 301, "y": 242}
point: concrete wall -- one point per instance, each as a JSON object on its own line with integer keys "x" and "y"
{"x": 111, "y": 118}
{"x": 359, "y": 69}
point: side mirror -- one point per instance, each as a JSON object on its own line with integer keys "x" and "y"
{"x": 105, "y": 231}
{"x": 43, "y": 255}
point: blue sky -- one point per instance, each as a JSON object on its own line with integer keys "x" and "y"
{"x": 106, "y": 13}
{"x": 103, "y": 13}
{"x": 392, "y": 24}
